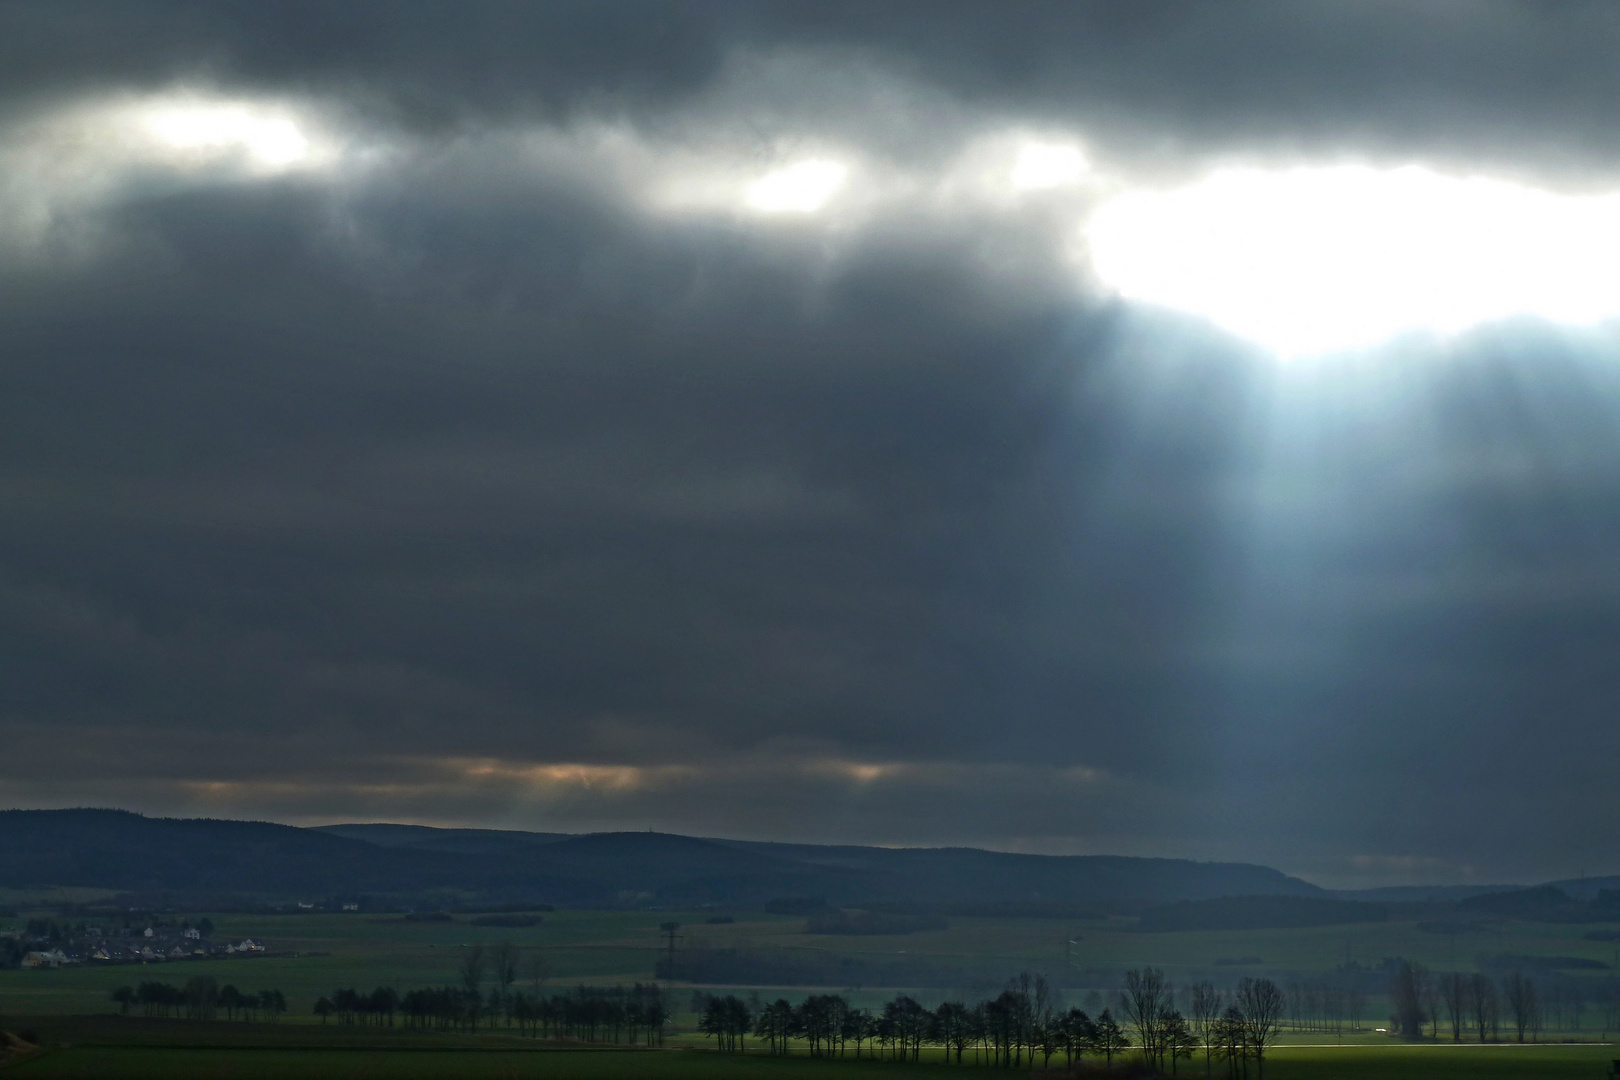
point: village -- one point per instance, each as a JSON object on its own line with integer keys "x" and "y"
{"x": 46, "y": 944}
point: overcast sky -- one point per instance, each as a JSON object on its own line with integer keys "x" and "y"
{"x": 721, "y": 419}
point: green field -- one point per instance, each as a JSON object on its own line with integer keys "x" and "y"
{"x": 357, "y": 950}
{"x": 1438, "y": 1061}
{"x": 123, "y": 1064}
{"x": 620, "y": 947}
{"x": 70, "y": 1010}
{"x": 454, "y": 1058}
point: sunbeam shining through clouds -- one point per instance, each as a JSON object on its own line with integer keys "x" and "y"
{"x": 1315, "y": 260}
{"x": 1161, "y": 429}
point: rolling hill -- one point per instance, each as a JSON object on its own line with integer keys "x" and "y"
{"x": 197, "y": 858}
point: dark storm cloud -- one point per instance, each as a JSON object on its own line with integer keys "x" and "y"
{"x": 469, "y": 480}
{"x": 1514, "y": 83}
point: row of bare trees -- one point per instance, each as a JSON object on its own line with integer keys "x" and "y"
{"x": 1329, "y": 1003}
{"x": 201, "y": 998}
{"x": 1468, "y": 1003}
{"x": 611, "y": 1014}
{"x": 1233, "y": 1026}
{"x": 1014, "y": 1029}
{"x": 1022, "y": 1025}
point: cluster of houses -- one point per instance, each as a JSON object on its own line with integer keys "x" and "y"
{"x": 149, "y": 946}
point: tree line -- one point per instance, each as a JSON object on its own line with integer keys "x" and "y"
{"x": 590, "y": 1014}
{"x": 1331, "y": 1002}
{"x": 1022, "y": 1025}
{"x": 201, "y": 998}
{"x": 1470, "y": 1003}
{"x": 611, "y": 1014}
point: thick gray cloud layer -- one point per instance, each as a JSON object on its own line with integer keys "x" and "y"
{"x": 474, "y": 477}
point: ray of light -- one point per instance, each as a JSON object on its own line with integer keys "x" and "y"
{"x": 1314, "y": 260}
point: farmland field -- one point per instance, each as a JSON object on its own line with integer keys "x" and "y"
{"x": 73, "y": 1018}
{"x": 458, "y": 1058}
{"x": 363, "y": 951}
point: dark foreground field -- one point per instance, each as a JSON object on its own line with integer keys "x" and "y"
{"x": 168, "y": 1063}
{"x": 106, "y": 1048}
{"x": 98, "y": 1063}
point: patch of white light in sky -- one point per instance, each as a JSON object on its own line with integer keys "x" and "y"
{"x": 57, "y": 167}
{"x": 1048, "y": 165}
{"x": 269, "y": 137}
{"x": 1312, "y": 260}
{"x": 800, "y": 188}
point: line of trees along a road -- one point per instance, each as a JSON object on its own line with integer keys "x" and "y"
{"x": 1022, "y": 1027}
{"x": 609, "y": 1014}
{"x": 201, "y": 998}
{"x": 1474, "y": 1005}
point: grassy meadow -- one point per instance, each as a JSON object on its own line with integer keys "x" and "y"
{"x": 363, "y": 951}
{"x": 71, "y": 1011}
{"x": 314, "y": 1055}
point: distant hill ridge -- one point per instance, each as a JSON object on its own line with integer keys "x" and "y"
{"x": 197, "y": 857}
